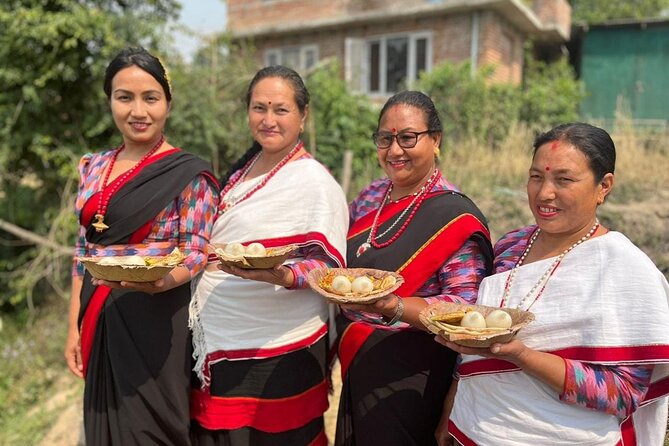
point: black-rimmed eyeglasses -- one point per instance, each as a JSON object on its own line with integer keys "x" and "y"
{"x": 405, "y": 140}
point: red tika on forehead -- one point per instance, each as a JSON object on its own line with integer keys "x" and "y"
{"x": 547, "y": 168}
{"x": 394, "y": 130}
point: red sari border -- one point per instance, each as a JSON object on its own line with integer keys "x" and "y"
{"x": 89, "y": 323}
{"x": 647, "y": 354}
{"x": 299, "y": 240}
{"x": 447, "y": 240}
{"x": 260, "y": 353}
{"x": 267, "y": 415}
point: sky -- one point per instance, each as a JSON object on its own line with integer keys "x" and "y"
{"x": 203, "y": 17}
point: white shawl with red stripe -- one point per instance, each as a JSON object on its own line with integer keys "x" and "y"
{"x": 606, "y": 303}
{"x": 234, "y": 318}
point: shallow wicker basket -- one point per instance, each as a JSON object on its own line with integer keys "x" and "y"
{"x": 519, "y": 319}
{"x": 124, "y": 273}
{"x": 314, "y": 279}
{"x": 273, "y": 257}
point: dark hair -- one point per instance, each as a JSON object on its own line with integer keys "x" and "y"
{"x": 139, "y": 57}
{"x": 301, "y": 95}
{"x": 418, "y": 100}
{"x": 299, "y": 89}
{"x": 593, "y": 142}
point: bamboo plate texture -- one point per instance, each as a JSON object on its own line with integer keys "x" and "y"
{"x": 320, "y": 280}
{"x": 471, "y": 337}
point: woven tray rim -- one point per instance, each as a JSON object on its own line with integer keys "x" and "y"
{"x": 315, "y": 275}
{"x": 278, "y": 255}
{"x": 127, "y": 273}
{"x": 520, "y": 319}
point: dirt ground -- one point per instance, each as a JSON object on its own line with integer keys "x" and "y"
{"x": 68, "y": 429}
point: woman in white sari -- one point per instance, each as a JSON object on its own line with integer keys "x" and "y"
{"x": 260, "y": 336}
{"x": 592, "y": 368}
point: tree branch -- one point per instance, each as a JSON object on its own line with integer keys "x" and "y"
{"x": 35, "y": 238}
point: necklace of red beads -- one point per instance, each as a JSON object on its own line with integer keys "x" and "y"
{"x": 105, "y": 196}
{"x": 232, "y": 185}
{"x": 417, "y": 200}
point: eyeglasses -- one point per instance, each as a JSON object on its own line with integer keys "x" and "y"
{"x": 405, "y": 140}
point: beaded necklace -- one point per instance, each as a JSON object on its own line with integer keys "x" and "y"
{"x": 418, "y": 198}
{"x": 103, "y": 198}
{"x": 229, "y": 189}
{"x": 543, "y": 280}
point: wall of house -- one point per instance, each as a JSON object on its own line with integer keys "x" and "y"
{"x": 554, "y": 12}
{"x": 499, "y": 43}
{"x": 250, "y": 14}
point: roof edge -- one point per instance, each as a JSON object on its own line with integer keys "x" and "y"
{"x": 513, "y": 10}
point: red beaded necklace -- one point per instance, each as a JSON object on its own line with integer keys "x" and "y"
{"x": 232, "y": 185}
{"x": 104, "y": 197}
{"x": 414, "y": 205}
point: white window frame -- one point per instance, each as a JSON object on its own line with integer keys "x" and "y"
{"x": 412, "y": 75}
{"x": 303, "y": 50}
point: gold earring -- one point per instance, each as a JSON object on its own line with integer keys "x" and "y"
{"x": 436, "y": 151}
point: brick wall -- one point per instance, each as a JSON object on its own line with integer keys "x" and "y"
{"x": 501, "y": 46}
{"x": 554, "y": 12}
{"x": 249, "y": 14}
{"x": 499, "y": 43}
{"x": 451, "y": 38}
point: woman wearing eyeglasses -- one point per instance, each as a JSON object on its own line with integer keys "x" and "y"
{"x": 415, "y": 222}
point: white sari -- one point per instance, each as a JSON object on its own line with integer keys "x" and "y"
{"x": 606, "y": 303}
{"x": 234, "y": 318}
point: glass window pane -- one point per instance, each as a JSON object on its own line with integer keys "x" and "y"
{"x": 421, "y": 56}
{"x": 309, "y": 58}
{"x": 397, "y": 53}
{"x": 374, "y": 66}
{"x": 290, "y": 57}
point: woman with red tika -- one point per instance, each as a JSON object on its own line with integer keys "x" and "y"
{"x": 414, "y": 222}
{"x": 260, "y": 335}
{"x": 130, "y": 341}
{"x": 593, "y": 368}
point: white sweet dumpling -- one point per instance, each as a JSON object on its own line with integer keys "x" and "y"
{"x": 123, "y": 260}
{"x": 341, "y": 284}
{"x": 498, "y": 319}
{"x": 362, "y": 284}
{"x": 135, "y": 261}
{"x": 234, "y": 249}
{"x": 473, "y": 319}
{"x": 256, "y": 250}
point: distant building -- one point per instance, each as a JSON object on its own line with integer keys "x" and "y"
{"x": 624, "y": 64}
{"x": 383, "y": 45}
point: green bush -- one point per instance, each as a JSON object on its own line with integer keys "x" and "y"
{"x": 474, "y": 109}
{"x": 551, "y": 95}
{"x": 340, "y": 121}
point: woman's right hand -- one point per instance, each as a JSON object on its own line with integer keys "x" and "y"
{"x": 73, "y": 353}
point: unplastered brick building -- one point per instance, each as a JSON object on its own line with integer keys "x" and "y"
{"x": 382, "y": 46}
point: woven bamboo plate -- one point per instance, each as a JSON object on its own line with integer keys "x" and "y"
{"x": 471, "y": 337}
{"x": 320, "y": 281}
{"x": 125, "y": 273}
{"x": 273, "y": 257}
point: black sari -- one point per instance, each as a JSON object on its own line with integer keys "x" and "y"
{"x": 395, "y": 381}
{"x": 136, "y": 346}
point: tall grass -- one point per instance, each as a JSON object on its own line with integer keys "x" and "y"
{"x": 495, "y": 179}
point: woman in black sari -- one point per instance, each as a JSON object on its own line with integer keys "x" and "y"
{"x": 395, "y": 376}
{"x": 130, "y": 341}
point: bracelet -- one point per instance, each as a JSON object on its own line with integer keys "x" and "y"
{"x": 399, "y": 310}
